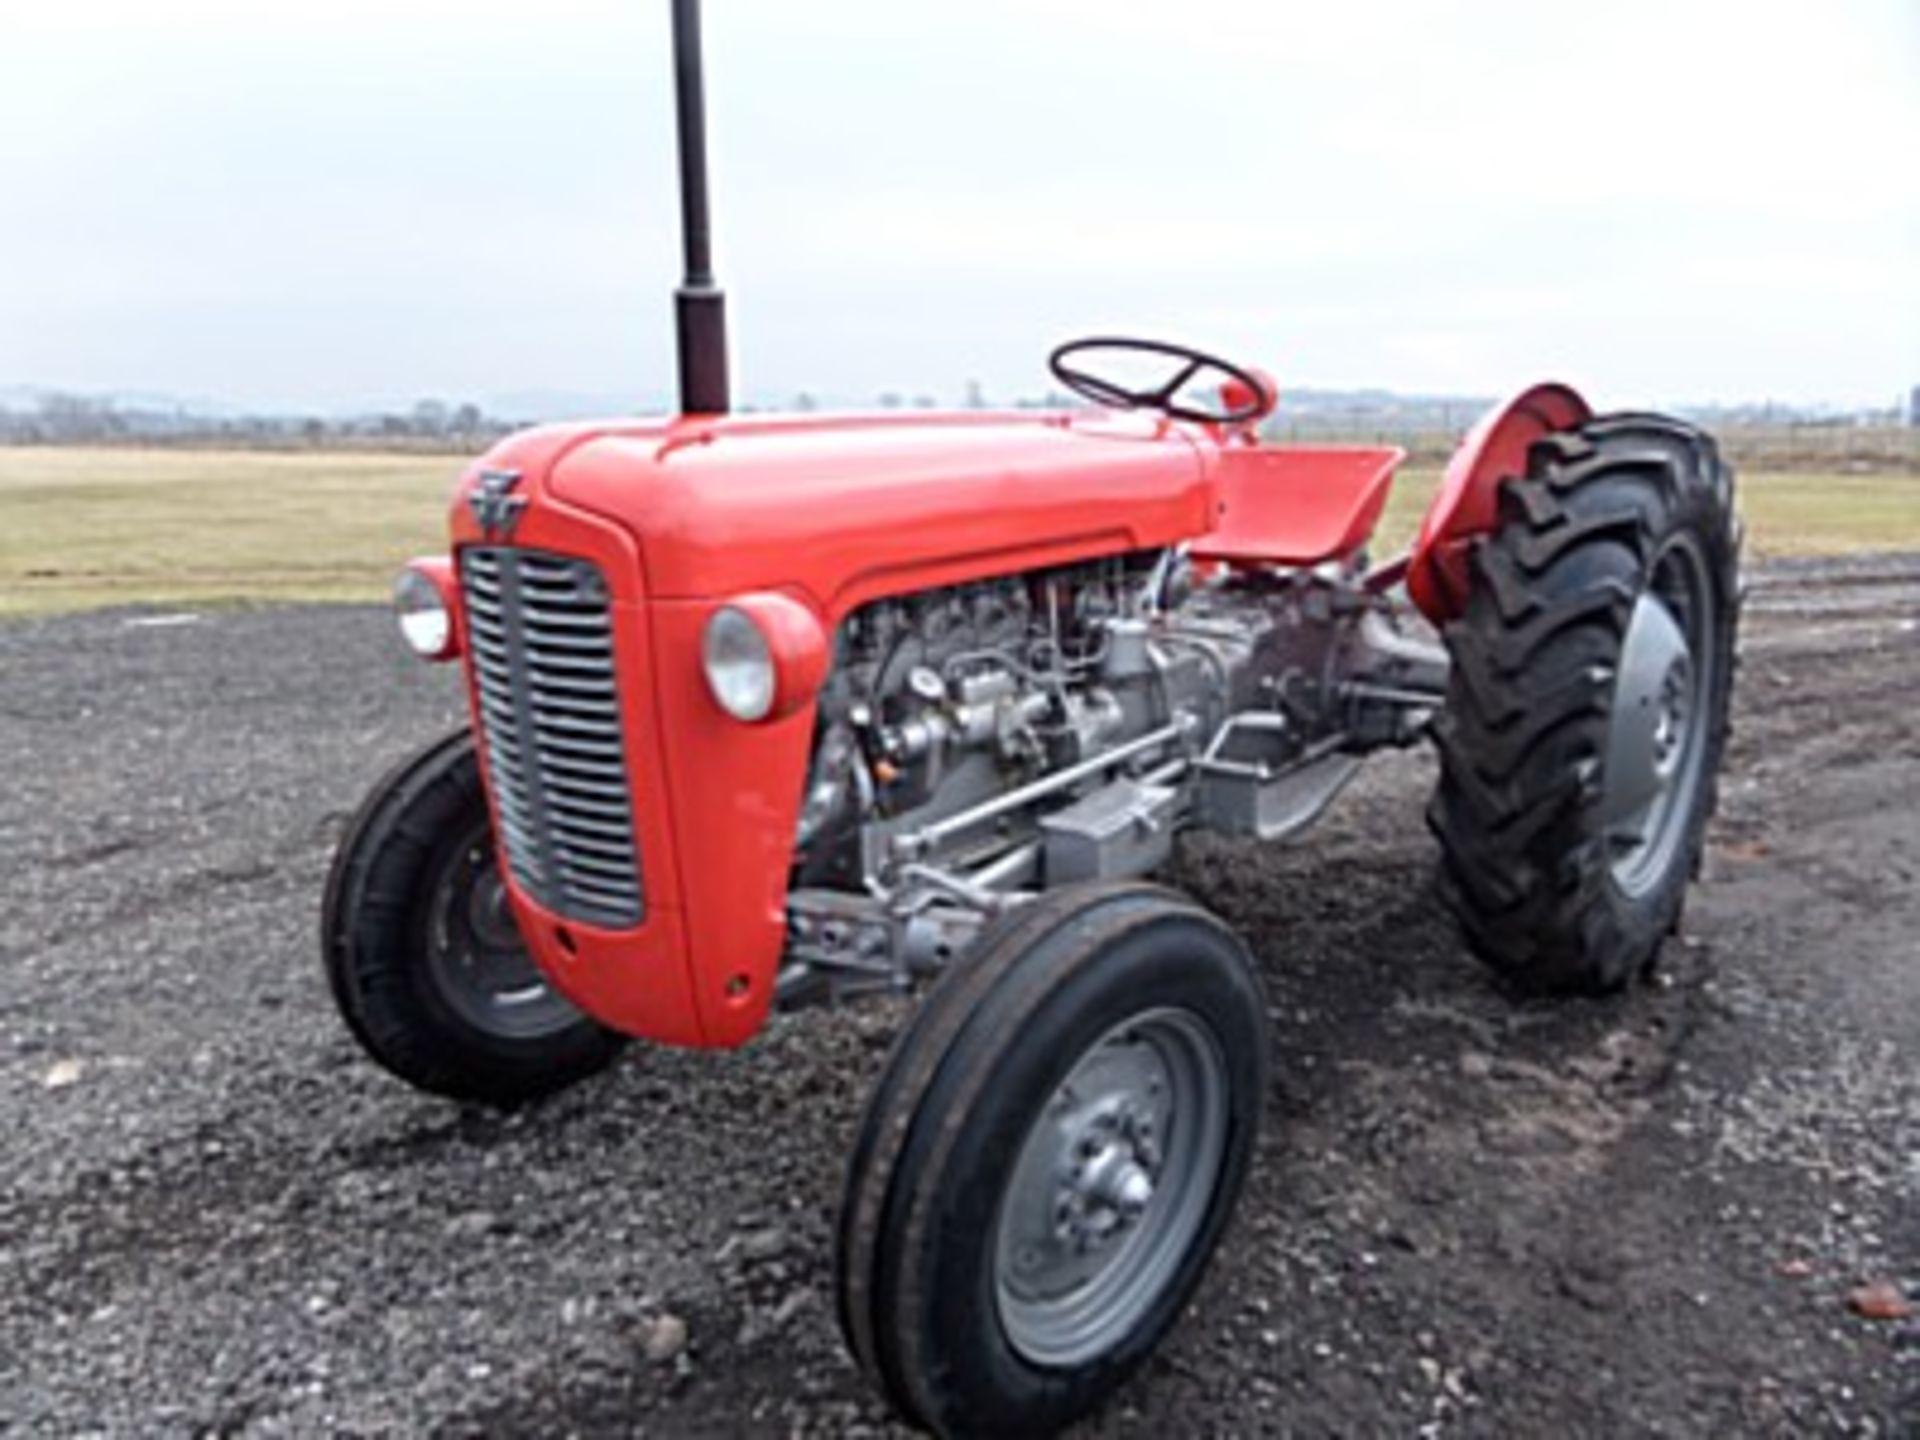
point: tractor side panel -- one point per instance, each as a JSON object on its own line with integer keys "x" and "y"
{"x": 1467, "y": 502}
{"x": 735, "y": 793}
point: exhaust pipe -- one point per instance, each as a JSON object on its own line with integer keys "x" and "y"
{"x": 700, "y": 309}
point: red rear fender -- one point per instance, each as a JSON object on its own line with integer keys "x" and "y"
{"x": 1465, "y": 506}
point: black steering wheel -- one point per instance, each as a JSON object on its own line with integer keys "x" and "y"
{"x": 1161, "y": 397}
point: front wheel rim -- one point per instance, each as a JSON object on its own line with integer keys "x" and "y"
{"x": 1112, "y": 1187}
{"x": 476, "y": 958}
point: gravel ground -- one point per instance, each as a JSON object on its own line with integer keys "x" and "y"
{"x": 1641, "y": 1216}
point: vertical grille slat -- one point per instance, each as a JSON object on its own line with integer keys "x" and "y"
{"x": 540, "y": 639}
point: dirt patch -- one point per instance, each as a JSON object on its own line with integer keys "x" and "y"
{"x": 1470, "y": 1215}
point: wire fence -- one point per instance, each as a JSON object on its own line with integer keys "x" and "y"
{"x": 1806, "y": 447}
{"x": 1428, "y": 436}
{"x": 1861, "y": 448}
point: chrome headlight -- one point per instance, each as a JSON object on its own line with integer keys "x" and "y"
{"x": 739, "y": 665}
{"x": 423, "y": 601}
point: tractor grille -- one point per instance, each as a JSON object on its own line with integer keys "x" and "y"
{"x": 541, "y": 640}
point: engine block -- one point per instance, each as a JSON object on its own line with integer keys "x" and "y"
{"x": 1060, "y": 726}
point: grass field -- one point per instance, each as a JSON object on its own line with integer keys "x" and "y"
{"x": 81, "y": 528}
{"x": 85, "y": 527}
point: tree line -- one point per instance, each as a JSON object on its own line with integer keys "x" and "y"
{"x": 58, "y": 418}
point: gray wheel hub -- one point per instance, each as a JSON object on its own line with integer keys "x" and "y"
{"x": 1656, "y": 733}
{"x": 1112, "y": 1185}
{"x": 479, "y": 963}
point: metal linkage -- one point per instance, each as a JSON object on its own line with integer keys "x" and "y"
{"x": 915, "y": 844}
{"x": 841, "y": 945}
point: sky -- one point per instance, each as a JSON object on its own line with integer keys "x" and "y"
{"x": 322, "y": 206}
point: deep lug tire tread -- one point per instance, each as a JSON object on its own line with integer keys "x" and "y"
{"x": 370, "y": 918}
{"x": 1524, "y": 863}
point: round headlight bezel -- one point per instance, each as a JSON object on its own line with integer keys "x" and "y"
{"x": 424, "y": 604}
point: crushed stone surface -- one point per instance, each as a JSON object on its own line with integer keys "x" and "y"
{"x": 1470, "y": 1215}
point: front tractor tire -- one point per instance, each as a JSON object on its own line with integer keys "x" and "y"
{"x": 422, "y": 953}
{"x": 1587, "y": 704}
{"x": 1049, "y": 1160}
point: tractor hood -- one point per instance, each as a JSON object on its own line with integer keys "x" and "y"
{"x": 846, "y": 508}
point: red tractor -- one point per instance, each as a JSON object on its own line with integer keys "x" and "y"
{"x": 768, "y": 711}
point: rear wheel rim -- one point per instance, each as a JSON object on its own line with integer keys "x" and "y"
{"x": 1111, "y": 1189}
{"x": 476, "y": 959}
{"x": 1658, "y": 730}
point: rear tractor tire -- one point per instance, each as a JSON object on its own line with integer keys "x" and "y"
{"x": 1049, "y": 1160}
{"x": 1587, "y": 708}
{"x": 422, "y": 952}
